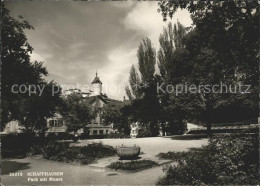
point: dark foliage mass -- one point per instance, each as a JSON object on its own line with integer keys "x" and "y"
{"x": 132, "y": 165}
{"x": 222, "y": 46}
{"x": 75, "y": 112}
{"x": 30, "y": 106}
{"x": 17, "y": 145}
{"x": 22, "y": 145}
{"x": 229, "y": 159}
{"x": 58, "y": 151}
{"x": 172, "y": 155}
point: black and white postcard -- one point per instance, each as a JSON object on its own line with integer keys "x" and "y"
{"x": 130, "y": 92}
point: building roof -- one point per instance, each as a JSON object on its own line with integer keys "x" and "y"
{"x": 96, "y": 80}
{"x": 93, "y": 99}
{"x": 102, "y": 97}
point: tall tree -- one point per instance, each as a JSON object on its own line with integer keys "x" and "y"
{"x": 224, "y": 46}
{"x": 145, "y": 107}
{"x": 165, "y": 53}
{"x": 228, "y": 27}
{"x": 75, "y": 111}
{"x": 31, "y": 106}
{"x": 112, "y": 114}
{"x": 171, "y": 73}
{"x": 134, "y": 81}
{"x": 171, "y": 45}
{"x": 146, "y": 55}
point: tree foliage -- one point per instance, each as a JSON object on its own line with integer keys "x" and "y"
{"x": 17, "y": 69}
{"x": 146, "y": 55}
{"x": 173, "y": 68}
{"x": 112, "y": 113}
{"x": 222, "y": 47}
{"x": 134, "y": 81}
{"x": 229, "y": 159}
{"x": 145, "y": 105}
{"x": 75, "y": 112}
{"x": 230, "y": 28}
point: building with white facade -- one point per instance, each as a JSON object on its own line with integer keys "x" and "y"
{"x": 96, "y": 99}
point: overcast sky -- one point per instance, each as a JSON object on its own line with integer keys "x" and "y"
{"x": 74, "y": 39}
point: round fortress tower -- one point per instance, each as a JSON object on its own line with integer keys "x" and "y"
{"x": 96, "y": 86}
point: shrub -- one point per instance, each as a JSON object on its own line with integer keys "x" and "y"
{"x": 16, "y": 140}
{"x": 18, "y": 144}
{"x": 132, "y": 165}
{"x": 230, "y": 159}
{"x": 96, "y": 136}
{"x": 98, "y": 150}
{"x": 115, "y": 135}
{"x": 172, "y": 155}
{"x": 59, "y": 151}
{"x": 51, "y": 137}
{"x": 35, "y": 150}
{"x": 143, "y": 132}
{"x": 53, "y": 149}
{"x": 63, "y": 136}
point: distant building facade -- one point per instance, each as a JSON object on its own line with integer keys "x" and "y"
{"x": 96, "y": 99}
{"x": 95, "y": 90}
{"x": 134, "y": 129}
{"x": 13, "y": 127}
{"x": 56, "y": 125}
{"x": 96, "y": 86}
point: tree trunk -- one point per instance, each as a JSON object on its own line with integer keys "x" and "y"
{"x": 207, "y": 113}
{"x": 209, "y": 131}
{"x": 208, "y": 119}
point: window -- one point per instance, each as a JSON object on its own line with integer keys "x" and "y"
{"x": 95, "y": 132}
{"x": 101, "y": 132}
{"x": 55, "y": 123}
{"x": 59, "y": 123}
{"x": 51, "y": 123}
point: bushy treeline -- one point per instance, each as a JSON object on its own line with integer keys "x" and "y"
{"x": 221, "y": 47}
{"x": 22, "y": 145}
{"x": 227, "y": 159}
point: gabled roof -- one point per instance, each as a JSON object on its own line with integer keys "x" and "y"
{"x": 93, "y": 99}
{"x": 104, "y": 98}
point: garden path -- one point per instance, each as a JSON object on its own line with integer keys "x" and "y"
{"x": 81, "y": 174}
